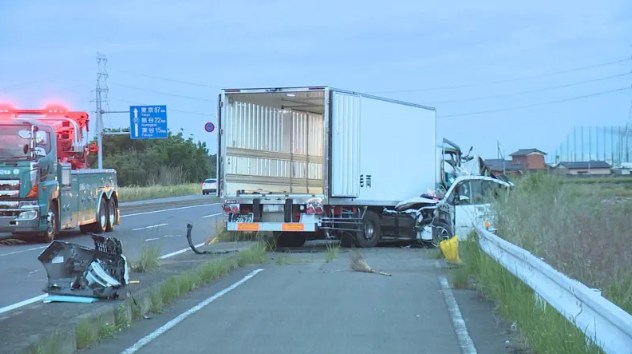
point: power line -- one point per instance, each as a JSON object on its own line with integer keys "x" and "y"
{"x": 534, "y": 90}
{"x": 169, "y": 108}
{"x": 166, "y": 79}
{"x": 164, "y": 93}
{"x": 538, "y": 104}
{"x": 508, "y": 80}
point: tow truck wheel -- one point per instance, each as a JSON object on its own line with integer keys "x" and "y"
{"x": 372, "y": 230}
{"x": 102, "y": 219}
{"x": 51, "y": 224}
{"x": 111, "y": 213}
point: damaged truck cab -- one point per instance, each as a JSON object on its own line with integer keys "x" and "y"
{"x": 44, "y": 184}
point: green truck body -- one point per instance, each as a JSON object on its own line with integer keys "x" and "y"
{"x": 42, "y": 194}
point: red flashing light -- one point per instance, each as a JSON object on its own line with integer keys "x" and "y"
{"x": 310, "y": 210}
{"x": 235, "y": 209}
{"x": 319, "y": 210}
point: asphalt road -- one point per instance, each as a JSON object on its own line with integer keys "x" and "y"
{"x": 298, "y": 303}
{"x": 22, "y": 276}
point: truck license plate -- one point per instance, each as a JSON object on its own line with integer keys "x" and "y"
{"x": 243, "y": 218}
{"x": 272, "y": 208}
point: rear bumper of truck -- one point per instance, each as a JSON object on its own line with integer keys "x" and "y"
{"x": 271, "y": 226}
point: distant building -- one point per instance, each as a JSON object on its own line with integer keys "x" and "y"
{"x": 584, "y": 168}
{"x": 500, "y": 166}
{"x": 532, "y": 159}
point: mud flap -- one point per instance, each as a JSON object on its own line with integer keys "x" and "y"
{"x": 77, "y": 270}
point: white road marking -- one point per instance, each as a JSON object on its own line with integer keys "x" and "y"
{"x": 149, "y": 227}
{"x": 171, "y": 209}
{"x": 152, "y": 239}
{"x": 169, "y": 255}
{"x": 210, "y": 216}
{"x": 22, "y": 303}
{"x": 463, "y": 337}
{"x": 22, "y": 251}
{"x": 41, "y": 297}
{"x": 174, "y": 322}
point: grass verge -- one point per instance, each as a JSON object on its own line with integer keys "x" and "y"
{"x": 134, "y": 193}
{"x": 545, "y": 330}
{"x": 149, "y": 259}
{"x": 579, "y": 229}
{"x": 177, "y": 286}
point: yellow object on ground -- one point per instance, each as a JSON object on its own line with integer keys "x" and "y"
{"x": 450, "y": 249}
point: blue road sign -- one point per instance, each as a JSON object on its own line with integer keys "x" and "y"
{"x": 209, "y": 127}
{"x": 148, "y": 122}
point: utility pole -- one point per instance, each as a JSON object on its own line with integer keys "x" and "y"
{"x": 101, "y": 99}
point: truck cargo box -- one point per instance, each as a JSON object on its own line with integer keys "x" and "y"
{"x": 345, "y": 147}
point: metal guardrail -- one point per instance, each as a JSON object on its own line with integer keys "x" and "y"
{"x": 607, "y": 325}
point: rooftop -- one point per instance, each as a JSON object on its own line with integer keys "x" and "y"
{"x": 525, "y": 152}
{"x": 585, "y": 164}
{"x": 500, "y": 164}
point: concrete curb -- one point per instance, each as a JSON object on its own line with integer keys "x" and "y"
{"x": 108, "y": 317}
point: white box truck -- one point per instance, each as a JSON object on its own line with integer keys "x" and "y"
{"x": 319, "y": 162}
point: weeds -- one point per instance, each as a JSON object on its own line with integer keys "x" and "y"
{"x": 85, "y": 335}
{"x": 577, "y": 228}
{"x": 332, "y": 252}
{"x": 177, "y": 286}
{"x": 156, "y": 305}
{"x": 459, "y": 277}
{"x": 545, "y": 329}
{"x": 149, "y": 259}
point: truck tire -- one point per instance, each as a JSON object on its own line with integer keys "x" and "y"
{"x": 372, "y": 230}
{"x": 441, "y": 231}
{"x": 52, "y": 224}
{"x": 102, "y": 219}
{"x": 112, "y": 214}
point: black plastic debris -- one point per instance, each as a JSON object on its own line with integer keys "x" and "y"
{"x": 81, "y": 271}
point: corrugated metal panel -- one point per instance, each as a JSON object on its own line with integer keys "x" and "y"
{"x": 273, "y": 149}
{"x": 345, "y": 174}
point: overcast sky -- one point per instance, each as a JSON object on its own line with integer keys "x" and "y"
{"x": 48, "y": 54}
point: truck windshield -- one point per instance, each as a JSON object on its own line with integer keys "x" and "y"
{"x": 12, "y": 143}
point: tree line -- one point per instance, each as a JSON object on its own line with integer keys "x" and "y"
{"x": 144, "y": 162}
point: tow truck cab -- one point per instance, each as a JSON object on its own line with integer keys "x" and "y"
{"x": 44, "y": 186}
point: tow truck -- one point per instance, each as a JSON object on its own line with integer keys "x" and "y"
{"x": 45, "y": 183}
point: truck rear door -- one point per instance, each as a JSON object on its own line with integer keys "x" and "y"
{"x": 345, "y": 145}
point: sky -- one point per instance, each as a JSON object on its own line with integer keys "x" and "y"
{"x": 450, "y": 55}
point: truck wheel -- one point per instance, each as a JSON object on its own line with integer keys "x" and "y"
{"x": 441, "y": 231}
{"x": 102, "y": 219}
{"x": 112, "y": 214}
{"x": 372, "y": 230}
{"x": 52, "y": 227}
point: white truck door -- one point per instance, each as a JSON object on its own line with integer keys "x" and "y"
{"x": 468, "y": 206}
{"x": 345, "y": 141}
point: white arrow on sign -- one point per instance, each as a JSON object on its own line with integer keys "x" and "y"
{"x": 136, "y": 122}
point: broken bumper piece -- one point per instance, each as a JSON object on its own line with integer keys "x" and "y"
{"x": 81, "y": 271}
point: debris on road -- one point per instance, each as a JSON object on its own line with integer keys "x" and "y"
{"x": 196, "y": 251}
{"x": 77, "y": 270}
{"x": 359, "y": 264}
{"x": 65, "y": 298}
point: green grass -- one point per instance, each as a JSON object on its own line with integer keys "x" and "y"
{"x": 459, "y": 277}
{"x": 91, "y": 331}
{"x": 579, "y": 229}
{"x": 50, "y": 346}
{"x": 177, "y": 286}
{"x": 332, "y": 252}
{"x": 134, "y": 193}
{"x": 545, "y": 330}
{"x": 149, "y": 259}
